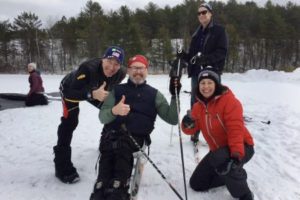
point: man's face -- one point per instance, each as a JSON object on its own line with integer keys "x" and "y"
{"x": 204, "y": 16}
{"x": 29, "y": 68}
{"x": 137, "y": 72}
{"x": 110, "y": 66}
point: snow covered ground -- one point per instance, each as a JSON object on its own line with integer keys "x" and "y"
{"x": 27, "y": 136}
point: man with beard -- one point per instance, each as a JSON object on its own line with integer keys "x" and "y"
{"x": 130, "y": 109}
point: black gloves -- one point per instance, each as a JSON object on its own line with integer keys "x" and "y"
{"x": 174, "y": 67}
{"x": 174, "y": 83}
{"x": 182, "y": 55}
{"x": 202, "y": 60}
{"x": 188, "y": 121}
{"x": 233, "y": 163}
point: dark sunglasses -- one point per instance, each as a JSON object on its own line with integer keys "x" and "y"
{"x": 204, "y": 12}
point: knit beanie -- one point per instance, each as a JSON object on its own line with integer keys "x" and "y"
{"x": 207, "y": 6}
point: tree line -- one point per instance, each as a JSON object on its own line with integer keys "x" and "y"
{"x": 259, "y": 37}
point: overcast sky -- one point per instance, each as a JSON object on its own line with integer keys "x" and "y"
{"x": 50, "y": 11}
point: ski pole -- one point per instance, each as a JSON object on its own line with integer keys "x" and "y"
{"x": 178, "y": 72}
{"x": 171, "y": 135}
{"x": 179, "y": 129}
{"x": 51, "y": 97}
{"x": 123, "y": 126}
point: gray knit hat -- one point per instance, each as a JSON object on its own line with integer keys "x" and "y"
{"x": 207, "y": 6}
{"x": 206, "y": 73}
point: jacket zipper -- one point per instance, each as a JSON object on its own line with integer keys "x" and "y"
{"x": 207, "y": 126}
{"x": 221, "y": 122}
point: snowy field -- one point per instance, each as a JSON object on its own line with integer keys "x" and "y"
{"x": 28, "y": 134}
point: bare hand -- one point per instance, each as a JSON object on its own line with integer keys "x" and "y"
{"x": 100, "y": 94}
{"x": 121, "y": 108}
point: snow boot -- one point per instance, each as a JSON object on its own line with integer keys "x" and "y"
{"x": 64, "y": 169}
{"x": 247, "y": 196}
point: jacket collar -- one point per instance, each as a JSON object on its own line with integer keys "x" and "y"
{"x": 210, "y": 25}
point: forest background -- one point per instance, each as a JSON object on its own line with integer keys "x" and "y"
{"x": 265, "y": 37}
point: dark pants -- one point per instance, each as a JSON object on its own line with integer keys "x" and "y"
{"x": 205, "y": 177}
{"x": 69, "y": 122}
{"x": 194, "y": 82}
{"x": 36, "y": 99}
{"x": 62, "y": 150}
{"x": 115, "y": 166}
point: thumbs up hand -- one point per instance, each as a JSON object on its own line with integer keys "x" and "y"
{"x": 100, "y": 94}
{"x": 121, "y": 108}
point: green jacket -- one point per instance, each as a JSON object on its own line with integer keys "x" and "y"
{"x": 167, "y": 112}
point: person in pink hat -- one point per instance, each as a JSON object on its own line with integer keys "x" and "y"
{"x": 130, "y": 109}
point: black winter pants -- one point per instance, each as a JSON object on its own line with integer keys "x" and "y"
{"x": 62, "y": 150}
{"x": 69, "y": 122}
{"x": 205, "y": 177}
{"x": 116, "y": 159}
{"x": 115, "y": 166}
{"x": 36, "y": 99}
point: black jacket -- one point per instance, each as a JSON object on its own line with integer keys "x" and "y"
{"x": 141, "y": 98}
{"x": 214, "y": 48}
{"x": 78, "y": 84}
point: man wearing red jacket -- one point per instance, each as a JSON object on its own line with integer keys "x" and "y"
{"x": 219, "y": 116}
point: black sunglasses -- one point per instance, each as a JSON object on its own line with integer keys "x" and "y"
{"x": 204, "y": 12}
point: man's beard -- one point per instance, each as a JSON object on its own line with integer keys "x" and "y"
{"x": 139, "y": 81}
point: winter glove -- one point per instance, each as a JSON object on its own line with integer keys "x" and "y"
{"x": 174, "y": 67}
{"x": 174, "y": 83}
{"x": 182, "y": 55}
{"x": 233, "y": 163}
{"x": 202, "y": 60}
{"x": 188, "y": 121}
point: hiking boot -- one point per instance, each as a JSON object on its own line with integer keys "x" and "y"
{"x": 117, "y": 194}
{"x": 68, "y": 176}
{"x": 98, "y": 192}
{"x": 117, "y": 191}
{"x": 248, "y": 196}
{"x": 64, "y": 169}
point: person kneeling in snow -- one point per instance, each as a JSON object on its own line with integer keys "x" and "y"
{"x": 219, "y": 116}
{"x": 35, "y": 95}
{"x": 130, "y": 109}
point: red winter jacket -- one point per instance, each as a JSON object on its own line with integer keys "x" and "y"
{"x": 221, "y": 123}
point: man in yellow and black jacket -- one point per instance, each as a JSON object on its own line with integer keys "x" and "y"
{"x": 91, "y": 82}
